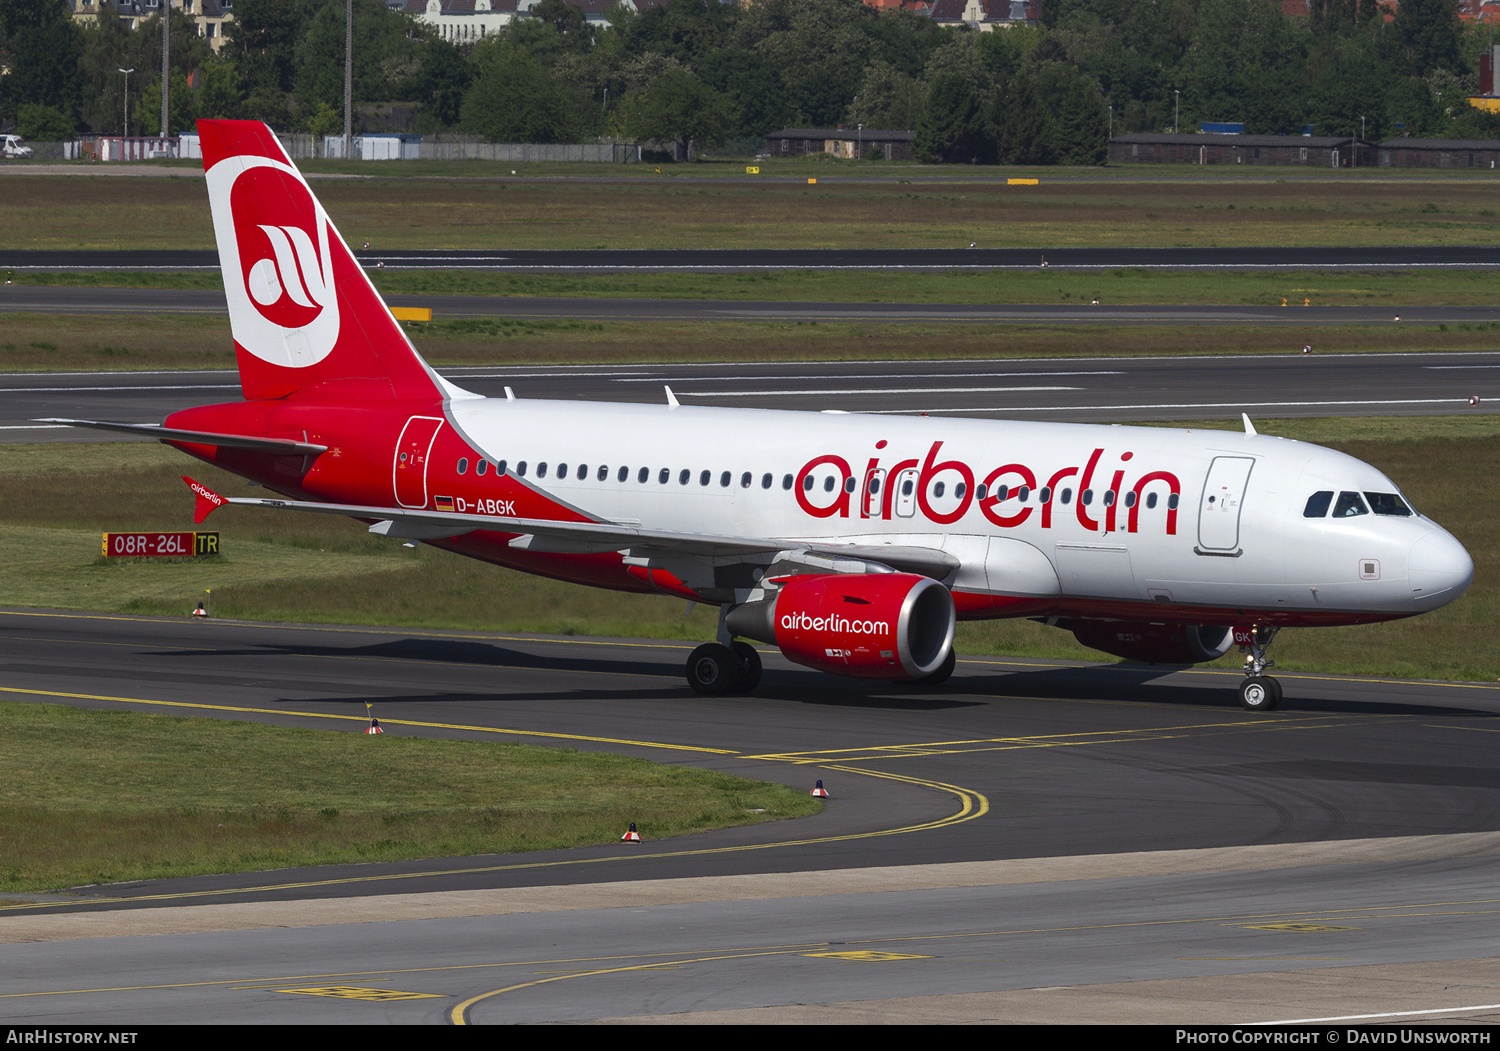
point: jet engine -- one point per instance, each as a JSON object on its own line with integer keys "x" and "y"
{"x": 864, "y": 625}
{"x": 1155, "y": 643}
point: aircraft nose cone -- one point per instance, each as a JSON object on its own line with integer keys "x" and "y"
{"x": 1439, "y": 569}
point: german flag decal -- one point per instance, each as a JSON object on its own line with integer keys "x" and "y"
{"x": 443, "y": 503}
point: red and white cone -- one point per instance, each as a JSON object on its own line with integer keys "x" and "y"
{"x": 200, "y": 611}
{"x": 1473, "y": 399}
{"x": 374, "y": 727}
{"x": 631, "y": 836}
{"x": 1307, "y": 348}
{"x": 819, "y": 792}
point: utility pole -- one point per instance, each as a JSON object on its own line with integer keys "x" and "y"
{"x": 127, "y": 73}
{"x": 1176, "y": 108}
{"x": 348, "y": 79}
{"x": 166, "y": 50}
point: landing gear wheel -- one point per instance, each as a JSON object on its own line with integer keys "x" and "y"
{"x": 944, "y": 672}
{"x": 1260, "y": 693}
{"x": 711, "y": 670}
{"x": 747, "y": 667}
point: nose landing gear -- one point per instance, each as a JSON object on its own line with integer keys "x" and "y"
{"x": 1258, "y": 693}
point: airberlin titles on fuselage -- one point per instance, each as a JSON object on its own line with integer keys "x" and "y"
{"x": 944, "y": 491}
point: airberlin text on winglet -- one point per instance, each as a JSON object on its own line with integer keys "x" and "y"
{"x": 208, "y": 500}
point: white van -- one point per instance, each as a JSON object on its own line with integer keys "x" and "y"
{"x": 14, "y": 149}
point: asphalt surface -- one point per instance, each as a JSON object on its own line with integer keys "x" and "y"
{"x": 730, "y": 259}
{"x": 1173, "y": 839}
{"x": 1097, "y": 390}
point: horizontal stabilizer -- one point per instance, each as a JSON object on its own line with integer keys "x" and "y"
{"x": 279, "y": 446}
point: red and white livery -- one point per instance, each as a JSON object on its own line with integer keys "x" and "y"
{"x": 852, "y": 543}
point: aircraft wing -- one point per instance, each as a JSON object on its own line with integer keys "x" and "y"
{"x": 539, "y": 534}
{"x": 282, "y": 446}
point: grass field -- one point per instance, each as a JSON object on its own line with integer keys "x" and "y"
{"x": 55, "y": 343}
{"x": 1113, "y": 287}
{"x": 106, "y": 796}
{"x": 55, "y": 501}
{"x": 644, "y": 212}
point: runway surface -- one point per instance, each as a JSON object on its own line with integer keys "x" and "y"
{"x": 1173, "y": 839}
{"x": 731, "y": 259}
{"x": 1096, "y": 390}
{"x": 54, "y": 299}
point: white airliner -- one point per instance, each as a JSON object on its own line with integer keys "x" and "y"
{"x": 852, "y": 543}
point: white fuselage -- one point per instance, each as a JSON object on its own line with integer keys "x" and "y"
{"x": 1159, "y": 518}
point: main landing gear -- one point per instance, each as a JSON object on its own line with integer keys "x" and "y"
{"x": 1259, "y": 693}
{"x": 715, "y": 669}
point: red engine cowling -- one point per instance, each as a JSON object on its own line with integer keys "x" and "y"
{"x": 1156, "y": 643}
{"x": 865, "y": 625}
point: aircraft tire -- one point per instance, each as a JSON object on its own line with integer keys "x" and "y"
{"x": 711, "y": 670}
{"x": 747, "y": 666}
{"x": 1260, "y": 693}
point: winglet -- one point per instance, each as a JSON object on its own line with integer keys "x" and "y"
{"x": 671, "y": 398}
{"x": 1249, "y": 427}
{"x": 208, "y": 500}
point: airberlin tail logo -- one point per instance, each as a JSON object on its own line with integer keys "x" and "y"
{"x": 274, "y": 248}
{"x": 295, "y": 272}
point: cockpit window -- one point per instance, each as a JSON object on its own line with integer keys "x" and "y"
{"x": 1317, "y": 504}
{"x": 1388, "y": 504}
{"x": 1349, "y": 506}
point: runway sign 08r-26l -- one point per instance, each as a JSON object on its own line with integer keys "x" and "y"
{"x": 157, "y": 545}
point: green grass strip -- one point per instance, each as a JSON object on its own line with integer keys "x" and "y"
{"x": 102, "y": 796}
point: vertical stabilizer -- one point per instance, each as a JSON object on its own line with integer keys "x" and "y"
{"x": 307, "y": 323}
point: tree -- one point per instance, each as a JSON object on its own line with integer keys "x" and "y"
{"x": 950, "y": 129}
{"x": 514, "y": 99}
{"x": 41, "y": 46}
{"x": 43, "y": 123}
{"x": 676, "y": 107}
{"x": 1428, "y": 31}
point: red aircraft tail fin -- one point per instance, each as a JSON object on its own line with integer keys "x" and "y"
{"x": 306, "y": 320}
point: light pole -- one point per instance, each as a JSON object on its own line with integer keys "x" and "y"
{"x": 859, "y": 148}
{"x": 126, "y": 108}
{"x": 1111, "y": 121}
{"x": 1176, "y": 108}
{"x": 348, "y": 79}
{"x": 166, "y": 48}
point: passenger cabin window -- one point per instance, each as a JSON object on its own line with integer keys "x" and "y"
{"x": 604, "y": 473}
{"x": 1388, "y": 504}
{"x": 745, "y": 480}
{"x": 521, "y": 469}
{"x": 541, "y": 469}
{"x": 500, "y": 467}
{"x": 625, "y": 474}
{"x": 1349, "y": 506}
{"x": 765, "y": 481}
{"x": 643, "y": 476}
{"x": 1150, "y": 499}
{"x": 684, "y": 477}
{"x": 665, "y": 476}
{"x": 1067, "y": 496}
{"x": 1318, "y": 504}
{"x": 724, "y": 480}
{"x": 583, "y": 471}
{"x": 786, "y": 481}
{"x": 463, "y": 464}
{"x": 704, "y": 477}
{"x": 562, "y": 471}
{"x": 481, "y": 467}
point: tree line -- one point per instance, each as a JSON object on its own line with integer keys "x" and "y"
{"x": 712, "y": 73}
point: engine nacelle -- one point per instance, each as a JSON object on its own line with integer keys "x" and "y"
{"x": 1156, "y": 643}
{"x": 864, "y": 625}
